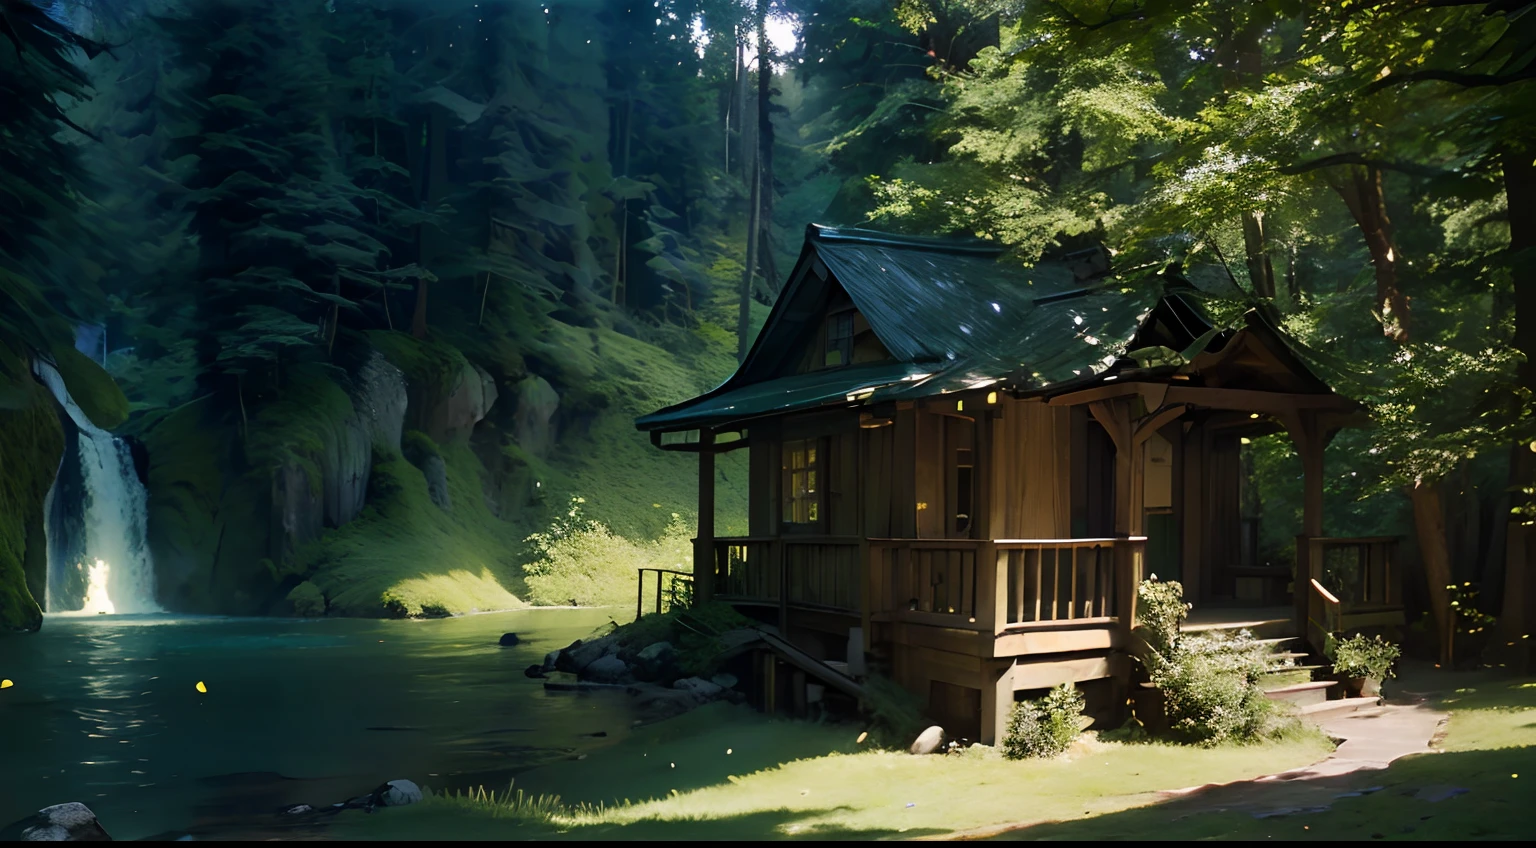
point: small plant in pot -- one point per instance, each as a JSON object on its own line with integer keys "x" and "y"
{"x": 1362, "y": 663}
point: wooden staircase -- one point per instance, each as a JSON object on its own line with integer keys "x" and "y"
{"x": 1294, "y": 676}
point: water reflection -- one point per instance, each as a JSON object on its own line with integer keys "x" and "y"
{"x": 105, "y": 711}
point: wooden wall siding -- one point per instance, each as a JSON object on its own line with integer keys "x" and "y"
{"x": 959, "y": 436}
{"x": 1223, "y": 519}
{"x": 1062, "y": 582}
{"x": 1032, "y": 469}
{"x": 760, "y": 495}
{"x": 841, "y": 466}
{"x": 823, "y": 574}
{"x": 1077, "y": 453}
{"x": 928, "y": 475}
{"x": 879, "y": 469}
{"x": 903, "y": 477}
{"x": 1192, "y": 481}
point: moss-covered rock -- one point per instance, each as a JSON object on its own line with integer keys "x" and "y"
{"x": 92, "y": 388}
{"x": 307, "y": 599}
{"x": 31, "y": 443}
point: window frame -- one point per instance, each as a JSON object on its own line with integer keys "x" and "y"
{"x": 816, "y": 498}
{"x": 833, "y": 341}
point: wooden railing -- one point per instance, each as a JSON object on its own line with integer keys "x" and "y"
{"x": 995, "y": 586}
{"x": 1346, "y": 583}
{"x": 927, "y": 576}
{"x": 812, "y": 571}
{"x": 1052, "y": 580}
{"x": 673, "y": 588}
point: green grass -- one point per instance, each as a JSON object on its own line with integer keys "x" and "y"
{"x": 782, "y": 779}
{"x": 1487, "y": 752}
{"x": 405, "y": 556}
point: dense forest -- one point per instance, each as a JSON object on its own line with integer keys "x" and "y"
{"x": 380, "y": 284}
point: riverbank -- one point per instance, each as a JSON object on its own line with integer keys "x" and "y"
{"x": 725, "y": 772}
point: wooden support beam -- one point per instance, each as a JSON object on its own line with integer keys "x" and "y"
{"x": 1156, "y": 421}
{"x": 704, "y": 542}
{"x": 1310, "y": 441}
{"x": 996, "y": 704}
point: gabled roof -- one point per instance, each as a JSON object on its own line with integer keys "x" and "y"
{"x": 953, "y": 318}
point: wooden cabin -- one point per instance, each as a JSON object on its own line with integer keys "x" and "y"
{"x": 961, "y": 468}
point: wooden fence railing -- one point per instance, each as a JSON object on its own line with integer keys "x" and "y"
{"x": 813, "y": 571}
{"x": 1353, "y": 581}
{"x": 673, "y": 588}
{"x": 1054, "y": 580}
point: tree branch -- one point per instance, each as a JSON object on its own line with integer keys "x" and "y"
{"x": 1355, "y": 158}
{"x": 1465, "y": 80}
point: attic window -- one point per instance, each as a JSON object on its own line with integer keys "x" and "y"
{"x": 839, "y": 338}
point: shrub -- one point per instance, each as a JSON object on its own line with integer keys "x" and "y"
{"x": 1160, "y": 609}
{"x": 1044, "y": 728}
{"x": 1359, "y": 656}
{"x": 307, "y": 600}
{"x": 581, "y": 562}
{"x": 1211, "y": 688}
{"x": 895, "y": 714}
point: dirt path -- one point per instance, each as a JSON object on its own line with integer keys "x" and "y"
{"x": 1369, "y": 740}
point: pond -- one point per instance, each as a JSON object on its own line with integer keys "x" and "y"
{"x": 105, "y": 710}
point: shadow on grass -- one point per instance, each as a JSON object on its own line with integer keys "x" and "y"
{"x": 442, "y": 822}
{"x": 1452, "y": 796}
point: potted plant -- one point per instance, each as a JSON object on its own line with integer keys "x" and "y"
{"x": 1362, "y": 663}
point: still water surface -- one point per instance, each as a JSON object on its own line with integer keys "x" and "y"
{"x": 105, "y": 710}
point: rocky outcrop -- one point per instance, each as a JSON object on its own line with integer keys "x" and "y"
{"x": 436, "y": 472}
{"x": 534, "y": 414}
{"x": 375, "y": 415}
{"x": 378, "y": 418}
{"x": 31, "y": 443}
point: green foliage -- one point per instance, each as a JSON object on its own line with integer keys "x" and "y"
{"x": 307, "y": 599}
{"x": 417, "y": 447}
{"x": 691, "y": 630}
{"x": 1362, "y": 656}
{"x": 1044, "y": 727}
{"x": 1211, "y": 689}
{"x": 1160, "y": 609}
{"x": 581, "y": 562}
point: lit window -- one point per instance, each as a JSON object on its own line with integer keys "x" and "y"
{"x": 802, "y": 494}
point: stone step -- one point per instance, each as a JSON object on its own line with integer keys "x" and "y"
{"x": 1287, "y": 675}
{"x": 1288, "y": 656}
{"x": 1301, "y": 694}
{"x": 1338, "y": 707}
{"x": 1263, "y": 629}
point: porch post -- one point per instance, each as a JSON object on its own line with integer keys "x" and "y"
{"x": 1115, "y": 417}
{"x": 1310, "y": 442}
{"x": 704, "y": 543}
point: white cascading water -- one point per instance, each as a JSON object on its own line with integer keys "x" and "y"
{"x": 119, "y": 574}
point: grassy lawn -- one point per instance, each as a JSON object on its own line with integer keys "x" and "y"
{"x": 1481, "y": 786}
{"x": 725, "y": 772}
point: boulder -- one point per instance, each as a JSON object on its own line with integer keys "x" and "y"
{"x": 508, "y": 640}
{"x": 581, "y": 654}
{"x": 550, "y": 659}
{"x": 537, "y": 402}
{"x": 436, "y": 472}
{"x": 929, "y": 741}
{"x": 398, "y": 793}
{"x": 607, "y": 669}
{"x": 698, "y": 686}
{"x": 71, "y": 822}
{"x": 657, "y": 661}
{"x": 534, "y": 671}
{"x": 724, "y": 681}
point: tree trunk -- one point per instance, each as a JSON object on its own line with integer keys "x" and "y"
{"x": 1520, "y": 191}
{"x": 741, "y": 104}
{"x": 1429, "y": 521}
{"x": 1247, "y": 73}
{"x": 744, "y": 310}
{"x": 1360, "y": 187}
{"x": 765, "y": 153}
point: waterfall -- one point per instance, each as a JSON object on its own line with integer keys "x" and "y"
{"x": 100, "y": 562}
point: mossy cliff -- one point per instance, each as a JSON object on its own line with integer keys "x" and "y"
{"x": 403, "y": 480}
{"x": 31, "y": 443}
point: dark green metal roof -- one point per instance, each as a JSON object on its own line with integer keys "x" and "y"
{"x": 952, "y": 315}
